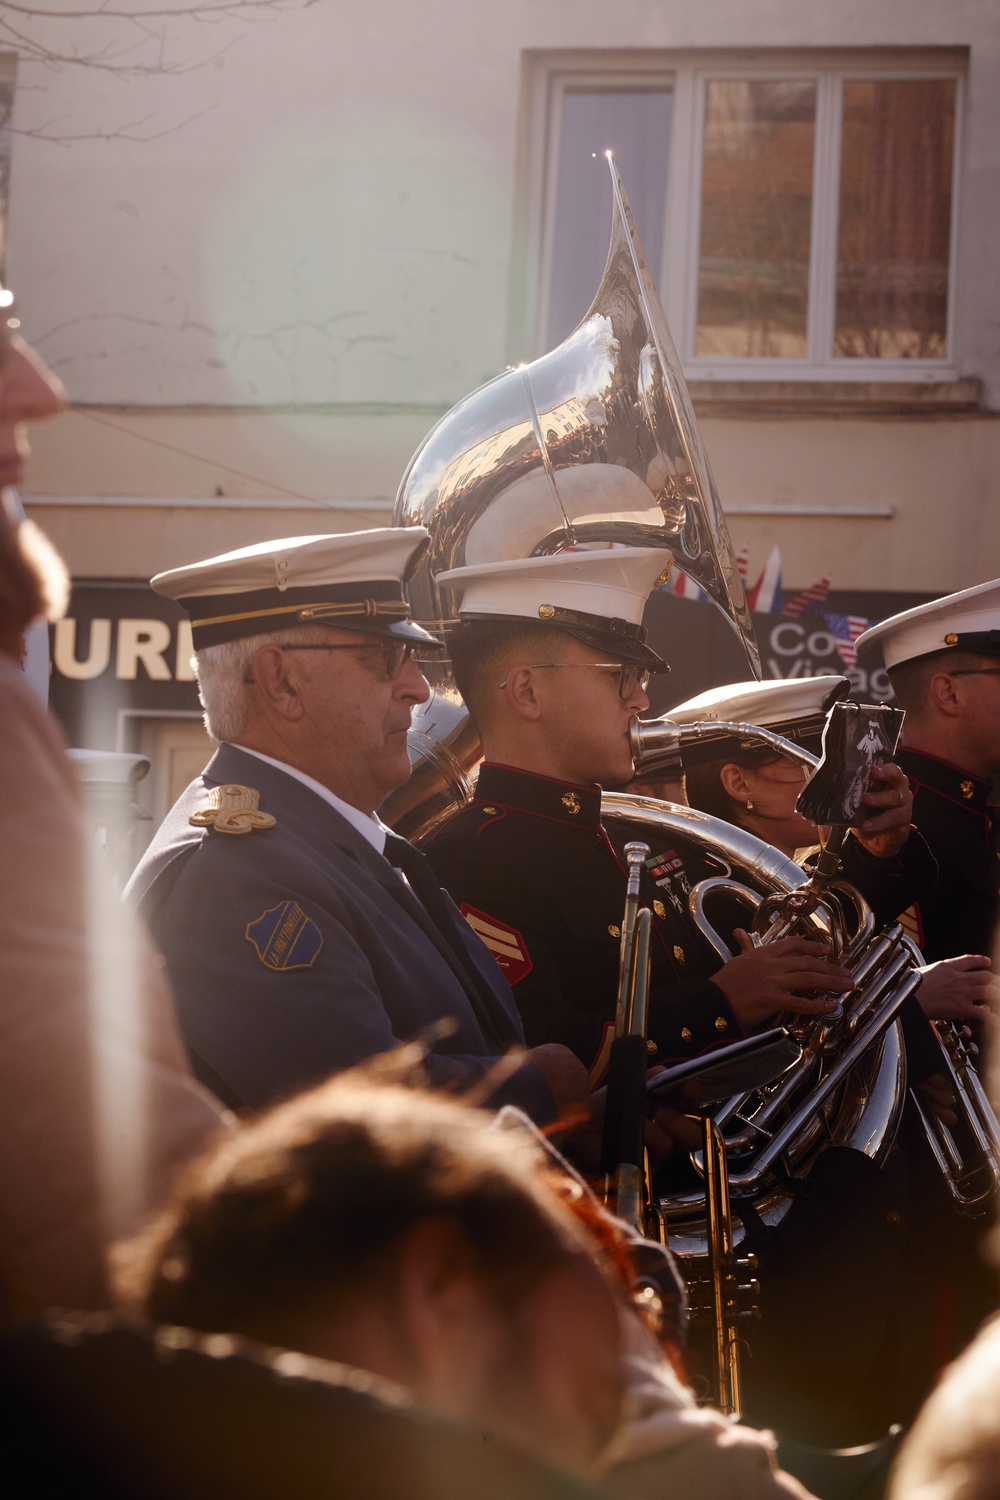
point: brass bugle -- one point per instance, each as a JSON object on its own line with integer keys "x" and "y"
{"x": 624, "y": 1153}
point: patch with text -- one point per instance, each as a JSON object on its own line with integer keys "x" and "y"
{"x": 285, "y": 938}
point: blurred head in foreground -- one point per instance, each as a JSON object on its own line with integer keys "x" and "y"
{"x": 32, "y": 577}
{"x": 395, "y": 1232}
{"x": 953, "y": 1450}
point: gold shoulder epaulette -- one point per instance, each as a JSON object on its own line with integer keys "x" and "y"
{"x": 232, "y": 809}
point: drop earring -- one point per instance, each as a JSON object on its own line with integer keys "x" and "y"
{"x": 749, "y": 806}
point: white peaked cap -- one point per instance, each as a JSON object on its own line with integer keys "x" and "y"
{"x": 966, "y": 621}
{"x": 354, "y": 580}
{"x": 599, "y": 596}
{"x": 612, "y": 584}
{"x": 780, "y": 700}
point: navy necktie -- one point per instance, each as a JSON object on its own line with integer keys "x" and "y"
{"x": 426, "y": 888}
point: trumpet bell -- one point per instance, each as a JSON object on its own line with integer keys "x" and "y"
{"x": 596, "y": 441}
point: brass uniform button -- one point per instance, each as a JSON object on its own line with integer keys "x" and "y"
{"x": 614, "y": 931}
{"x": 679, "y": 954}
{"x": 721, "y": 1024}
{"x": 546, "y": 611}
{"x": 894, "y": 1217}
{"x": 686, "y": 1034}
{"x": 491, "y": 811}
{"x": 651, "y": 1047}
{"x": 660, "y": 909}
{"x": 951, "y": 639}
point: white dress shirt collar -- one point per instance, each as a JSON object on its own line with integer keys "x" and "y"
{"x": 367, "y": 824}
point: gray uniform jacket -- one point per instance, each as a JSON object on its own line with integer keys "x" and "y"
{"x": 298, "y": 950}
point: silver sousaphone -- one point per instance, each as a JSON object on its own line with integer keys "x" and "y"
{"x": 596, "y": 441}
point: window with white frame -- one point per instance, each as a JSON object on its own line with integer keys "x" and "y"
{"x": 799, "y": 218}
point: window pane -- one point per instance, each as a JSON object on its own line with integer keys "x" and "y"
{"x": 756, "y": 212}
{"x": 636, "y": 126}
{"x": 895, "y": 218}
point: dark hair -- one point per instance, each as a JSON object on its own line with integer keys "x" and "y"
{"x": 911, "y": 680}
{"x": 703, "y": 782}
{"x": 482, "y": 651}
{"x": 312, "y": 1201}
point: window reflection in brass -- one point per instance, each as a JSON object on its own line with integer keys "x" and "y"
{"x": 895, "y": 218}
{"x": 753, "y": 272}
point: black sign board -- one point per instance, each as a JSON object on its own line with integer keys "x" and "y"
{"x": 123, "y": 652}
{"x": 120, "y": 651}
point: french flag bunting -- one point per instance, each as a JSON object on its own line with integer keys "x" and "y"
{"x": 743, "y": 564}
{"x": 845, "y": 629}
{"x": 765, "y": 596}
{"x": 813, "y": 595}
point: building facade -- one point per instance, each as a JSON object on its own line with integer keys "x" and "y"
{"x": 271, "y": 252}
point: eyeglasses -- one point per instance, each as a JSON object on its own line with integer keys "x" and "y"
{"x": 395, "y": 653}
{"x": 976, "y": 672}
{"x": 630, "y": 674}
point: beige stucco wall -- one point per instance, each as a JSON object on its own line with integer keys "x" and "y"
{"x": 939, "y": 477}
{"x": 321, "y": 218}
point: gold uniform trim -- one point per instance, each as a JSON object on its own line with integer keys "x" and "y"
{"x": 363, "y": 607}
{"x": 232, "y": 809}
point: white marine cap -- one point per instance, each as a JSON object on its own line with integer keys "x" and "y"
{"x": 353, "y": 581}
{"x": 794, "y": 707}
{"x": 966, "y": 621}
{"x": 598, "y": 596}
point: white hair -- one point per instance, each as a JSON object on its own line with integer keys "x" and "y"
{"x": 222, "y": 673}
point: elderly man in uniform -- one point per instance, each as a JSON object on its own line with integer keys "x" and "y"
{"x": 551, "y": 658}
{"x": 300, "y": 934}
{"x": 943, "y": 660}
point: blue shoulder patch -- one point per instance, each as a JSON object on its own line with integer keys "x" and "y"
{"x": 285, "y": 938}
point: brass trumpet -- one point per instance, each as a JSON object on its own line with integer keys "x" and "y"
{"x": 626, "y": 1163}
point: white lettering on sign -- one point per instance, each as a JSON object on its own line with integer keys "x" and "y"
{"x": 98, "y": 655}
{"x": 142, "y": 641}
{"x": 794, "y": 635}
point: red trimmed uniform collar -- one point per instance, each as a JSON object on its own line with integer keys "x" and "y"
{"x": 542, "y": 796}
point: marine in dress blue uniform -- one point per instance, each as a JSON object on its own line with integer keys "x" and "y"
{"x": 294, "y": 945}
{"x": 542, "y": 880}
{"x": 943, "y": 660}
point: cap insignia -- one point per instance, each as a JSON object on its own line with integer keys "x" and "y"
{"x": 968, "y": 790}
{"x": 951, "y": 639}
{"x": 571, "y": 803}
{"x": 232, "y": 809}
{"x": 546, "y": 611}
